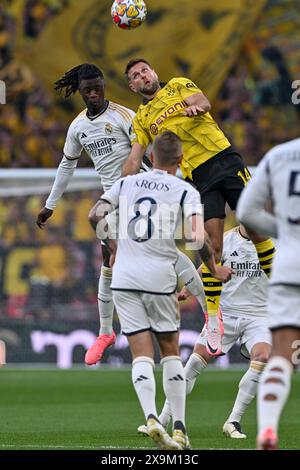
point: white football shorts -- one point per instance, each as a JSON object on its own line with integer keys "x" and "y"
{"x": 139, "y": 312}
{"x": 284, "y": 306}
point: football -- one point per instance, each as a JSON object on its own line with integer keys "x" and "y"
{"x": 128, "y": 14}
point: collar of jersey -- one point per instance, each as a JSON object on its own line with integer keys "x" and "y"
{"x": 92, "y": 118}
{"x": 158, "y": 170}
{"x": 162, "y": 85}
{"x": 243, "y": 237}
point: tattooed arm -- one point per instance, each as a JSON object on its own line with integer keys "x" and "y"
{"x": 223, "y": 273}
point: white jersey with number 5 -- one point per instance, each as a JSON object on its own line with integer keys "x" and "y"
{"x": 150, "y": 207}
{"x": 277, "y": 179}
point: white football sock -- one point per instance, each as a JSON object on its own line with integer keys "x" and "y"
{"x": 247, "y": 390}
{"x": 105, "y": 302}
{"x": 144, "y": 383}
{"x": 188, "y": 274}
{"x": 275, "y": 382}
{"x": 166, "y": 414}
{"x": 194, "y": 366}
{"x": 174, "y": 386}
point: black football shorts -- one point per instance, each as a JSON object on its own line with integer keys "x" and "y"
{"x": 220, "y": 180}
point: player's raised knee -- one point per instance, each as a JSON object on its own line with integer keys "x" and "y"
{"x": 261, "y": 356}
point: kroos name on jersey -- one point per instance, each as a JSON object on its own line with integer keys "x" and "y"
{"x": 152, "y": 185}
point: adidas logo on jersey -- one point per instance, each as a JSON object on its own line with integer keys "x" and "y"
{"x": 83, "y": 135}
{"x": 235, "y": 253}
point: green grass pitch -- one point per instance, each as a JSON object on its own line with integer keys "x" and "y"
{"x": 98, "y": 409}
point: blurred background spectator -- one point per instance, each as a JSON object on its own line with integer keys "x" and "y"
{"x": 41, "y": 271}
{"x": 253, "y": 107}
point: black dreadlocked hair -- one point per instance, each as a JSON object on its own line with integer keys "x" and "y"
{"x": 71, "y": 79}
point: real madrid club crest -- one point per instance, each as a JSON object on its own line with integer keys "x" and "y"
{"x": 108, "y": 128}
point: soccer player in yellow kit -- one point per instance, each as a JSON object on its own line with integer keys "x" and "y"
{"x": 209, "y": 163}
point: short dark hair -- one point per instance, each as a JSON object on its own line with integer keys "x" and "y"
{"x": 71, "y": 79}
{"x": 167, "y": 148}
{"x": 133, "y": 62}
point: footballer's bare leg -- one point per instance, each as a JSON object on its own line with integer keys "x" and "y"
{"x": 174, "y": 385}
{"x": 196, "y": 364}
{"x": 213, "y": 289}
{"x": 141, "y": 346}
{"x": 265, "y": 250}
{"x": 106, "y": 336}
{"x": 259, "y": 356}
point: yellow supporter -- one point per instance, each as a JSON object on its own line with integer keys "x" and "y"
{"x": 4, "y": 38}
{"x": 5, "y": 157}
{"x": 52, "y": 263}
{"x": 33, "y": 146}
{"x": 4, "y": 211}
{"x": 82, "y": 229}
{"x": 46, "y": 157}
{"x": 15, "y": 232}
{"x": 60, "y": 213}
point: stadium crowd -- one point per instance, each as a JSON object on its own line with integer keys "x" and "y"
{"x": 56, "y": 266}
{"x": 254, "y": 108}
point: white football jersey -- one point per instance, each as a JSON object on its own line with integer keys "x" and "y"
{"x": 246, "y": 293}
{"x": 150, "y": 208}
{"x": 105, "y": 138}
{"x": 277, "y": 179}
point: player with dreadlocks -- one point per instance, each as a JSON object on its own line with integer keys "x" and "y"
{"x": 104, "y": 131}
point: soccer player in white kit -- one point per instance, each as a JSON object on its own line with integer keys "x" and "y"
{"x": 144, "y": 279}
{"x": 277, "y": 181}
{"x": 104, "y": 131}
{"x": 244, "y": 312}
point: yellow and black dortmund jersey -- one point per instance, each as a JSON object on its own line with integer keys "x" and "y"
{"x": 201, "y": 136}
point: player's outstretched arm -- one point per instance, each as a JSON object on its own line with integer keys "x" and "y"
{"x": 43, "y": 216}
{"x": 98, "y": 222}
{"x": 196, "y": 104}
{"x": 63, "y": 176}
{"x": 97, "y": 216}
{"x": 194, "y": 229}
{"x": 223, "y": 273}
{"x": 253, "y": 200}
{"x": 133, "y": 163}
